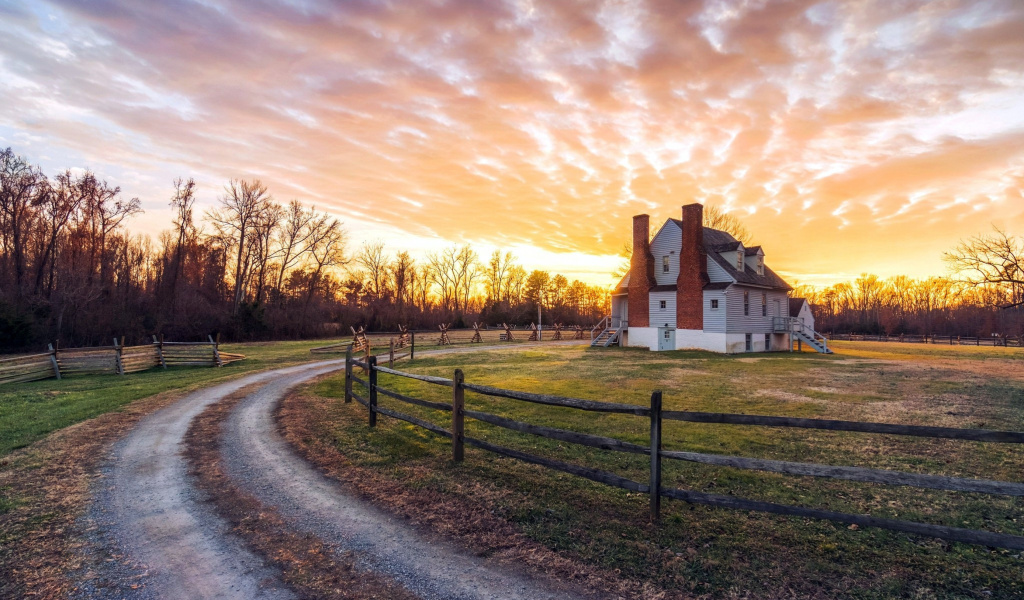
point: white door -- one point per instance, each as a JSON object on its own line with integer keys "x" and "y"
{"x": 666, "y": 338}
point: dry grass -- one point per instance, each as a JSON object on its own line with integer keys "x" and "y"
{"x": 462, "y": 512}
{"x": 45, "y": 489}
{"x": 699, "y": 550}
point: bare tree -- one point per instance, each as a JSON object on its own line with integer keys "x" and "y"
{"x": 240, "y": 207}
{"x": 403, "y": 274}
{"x": 374, "y": 259}
{"x": 293, "y": 237}
{"x": 22, "y": 188}
{"x": 995, "y": 260}
{"x": 183, "y": 203}
{"x": 717, "y": 218}
{"x": 326, "y": 250}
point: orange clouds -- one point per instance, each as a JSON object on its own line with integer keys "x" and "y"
{"x": 855, "y": 136}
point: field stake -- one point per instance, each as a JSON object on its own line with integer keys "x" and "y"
{"x": 53, "y": 361}
{"x": 372, "y": 363}
{"x": 412, "y": 345}
{"x": 348, "y": 374}
{"x": 458, "y": 415}
{"x": 655, "y": 483}
{"x": 117, "y": 356}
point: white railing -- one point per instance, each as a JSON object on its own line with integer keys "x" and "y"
{"x": 795, "y": 325}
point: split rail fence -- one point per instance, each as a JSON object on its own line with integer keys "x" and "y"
{"x": 116, "y": 359}
{"x": 445, "y": 336}
{"x": 657, "y": 453}
{"x": 951, "y": 340}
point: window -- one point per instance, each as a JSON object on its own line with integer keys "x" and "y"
{"x": 667, "y": 335}
{"x": 664, "y": 264}
{"x": 764, "y": 305}
{"x": 767, "y": 342}
{"x": 714, "y": 304}
{"x": 750, "y": 343}
{"x": 760, "y": 265}
{"x": 739, "y": 260}
{"x": 746, "y": 304}
{"x": 661, "y": 305}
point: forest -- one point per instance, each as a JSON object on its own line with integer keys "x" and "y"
{"x": 72, "y": 272}
{"x": 252, "y": 268}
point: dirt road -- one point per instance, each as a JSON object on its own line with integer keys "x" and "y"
{"x": 153, "y": 519}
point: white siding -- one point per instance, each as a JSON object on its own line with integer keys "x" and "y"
{"x": 806, "y": 315}
{"x": 716, "y": 273}
{"x": 661, "y": 316}
{"x": 714, "y": 318}
{"x": 753, "y": 323}
{"x": 667, "y": 242}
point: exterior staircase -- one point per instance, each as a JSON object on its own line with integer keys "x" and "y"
{"x": 604, "y": 334}
{"x": 801, "y": 332}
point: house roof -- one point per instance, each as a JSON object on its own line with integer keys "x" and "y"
{"x": 727, "y": 247}
{"x": 714, "y": 239}
{"x": 795, "y": 304}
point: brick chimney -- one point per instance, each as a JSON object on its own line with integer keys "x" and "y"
{"x": 641, "y": 273}
{"x": 693, "y": 271}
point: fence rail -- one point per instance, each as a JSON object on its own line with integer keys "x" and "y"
{"x": 405, "y": 338}
{"x": 950, "y": 340}
{"x": 116, "y": 359}
{"x": 656, "y": 416}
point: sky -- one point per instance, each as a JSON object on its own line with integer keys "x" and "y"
{"x": 850, "y": 137}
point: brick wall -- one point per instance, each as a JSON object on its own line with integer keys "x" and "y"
{"x": 641, "y": 272}
{"x": 693, "y": 271}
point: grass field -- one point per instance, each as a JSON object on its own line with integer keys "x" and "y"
{"x": 30, "y": 411}
{"x": 720, "y": 552}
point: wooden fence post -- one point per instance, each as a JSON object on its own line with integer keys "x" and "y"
{"x": 366, "y": 358}
{"x": 372, "y": 362}
{"x": 216, "y": 350}
{"x": 412, "y": 345}
{"x": 391, "y": 354}
{"x": 117, "y": 356}
{"x": 160, "y": 350}
{"x": 53, "y": 361}
{"x": 348, "y": 374}
{"x": 655, "y": 456}
{"x": 458, "y": 416}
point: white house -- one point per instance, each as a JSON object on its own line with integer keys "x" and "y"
{"x": 694, "y": 287}
{"x": 800, "y": 309}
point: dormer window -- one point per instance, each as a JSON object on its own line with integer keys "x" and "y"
{"x": 760, "y": 265}
{"x": 739, "y": 259}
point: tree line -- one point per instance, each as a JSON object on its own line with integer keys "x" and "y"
{"x": 982, "y": 296}
{"x": 71, "y": 270}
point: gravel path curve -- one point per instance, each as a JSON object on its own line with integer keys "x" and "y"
{"x": 170, "y": 544}
{"x": 152, "y": 516}
{"x": 257, "y": 457}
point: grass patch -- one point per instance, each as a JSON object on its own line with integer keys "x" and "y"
{"x": 30, "y": 411}
{"x": 720, "y": 552}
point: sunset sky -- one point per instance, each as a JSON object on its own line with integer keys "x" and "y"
{"x": 849, "y": 136}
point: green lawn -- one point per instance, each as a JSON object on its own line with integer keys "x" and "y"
{"x": 722, "y": 552}
{"x": 30, "y": 411}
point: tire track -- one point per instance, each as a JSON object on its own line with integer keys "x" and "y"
{"x": 153, "y": 517}
{"x": 257, "y": 458}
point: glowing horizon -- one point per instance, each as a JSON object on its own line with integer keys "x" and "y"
{"x": 849, "y": 137}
